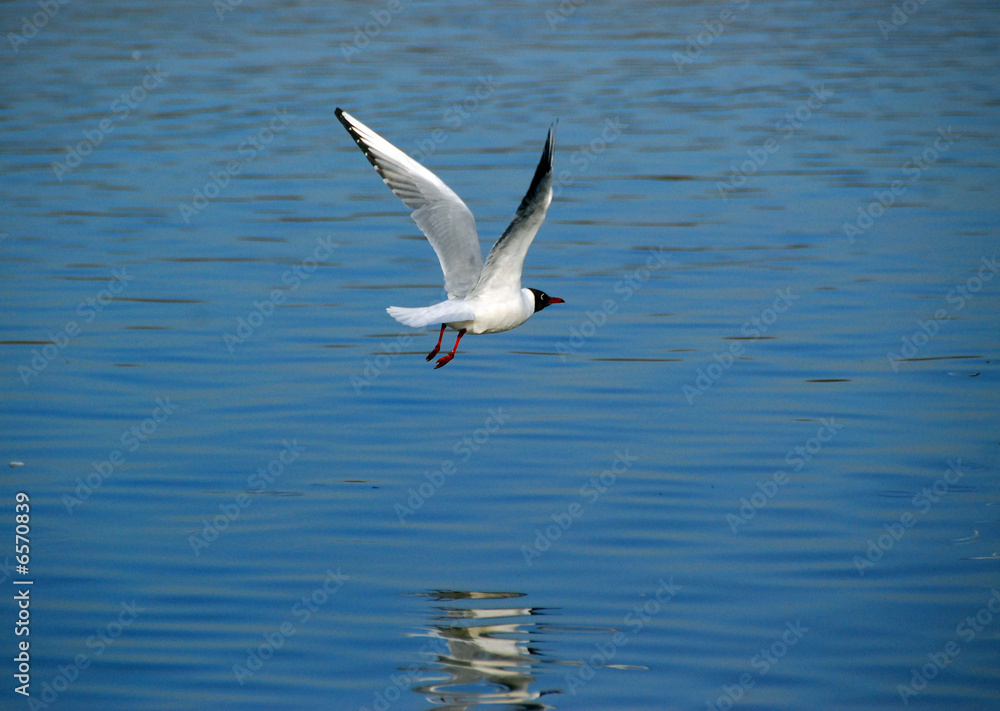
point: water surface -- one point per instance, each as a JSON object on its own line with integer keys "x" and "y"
{"x": 750, "y": 462}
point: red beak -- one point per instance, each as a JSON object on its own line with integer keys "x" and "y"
{"x": 555, "y": 300}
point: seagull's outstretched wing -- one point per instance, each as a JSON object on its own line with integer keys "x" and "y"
{"x": 440, "y": 214}
{"x": 503, "y": 267}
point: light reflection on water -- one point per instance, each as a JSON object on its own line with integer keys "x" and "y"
{"x": 506, "y": 655}
{"x": 491, "y": 656}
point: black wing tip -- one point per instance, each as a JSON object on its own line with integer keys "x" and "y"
{"x": 543, "y": 173}
{"x": 339, "y": 113}
{"x": 353, "y": 133}
{"x": 549, "y": 151}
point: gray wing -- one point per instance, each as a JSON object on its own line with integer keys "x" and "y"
{"x": 506, "y": 260}
{"x": 440, "y": 214}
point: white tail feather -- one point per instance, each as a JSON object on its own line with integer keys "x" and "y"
{"x": 451, "y": 311}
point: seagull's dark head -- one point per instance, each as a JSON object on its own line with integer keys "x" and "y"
{"x": 542, "y": 300}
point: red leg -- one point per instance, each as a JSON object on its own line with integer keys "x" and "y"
{"x": 447, "y": 359}
{"x": 438, "y": 346}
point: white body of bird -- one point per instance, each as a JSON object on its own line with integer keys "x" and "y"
{"x": 482, "y": 297}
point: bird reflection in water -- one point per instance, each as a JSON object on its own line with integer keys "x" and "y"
{"x": 492, "y": 656}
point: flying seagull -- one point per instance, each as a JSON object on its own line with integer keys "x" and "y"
{"x": 482, "y": 298}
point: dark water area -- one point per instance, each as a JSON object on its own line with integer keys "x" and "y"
{"x": 750, "y": 463}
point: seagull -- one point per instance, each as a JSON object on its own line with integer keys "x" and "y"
{"x": 482, "y": 298}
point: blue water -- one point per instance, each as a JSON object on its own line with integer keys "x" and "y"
{"x": 751, "y": 463}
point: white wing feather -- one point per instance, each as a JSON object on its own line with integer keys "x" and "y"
{"x": 502, "y": 272}
{"x": 440, "y": 214}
